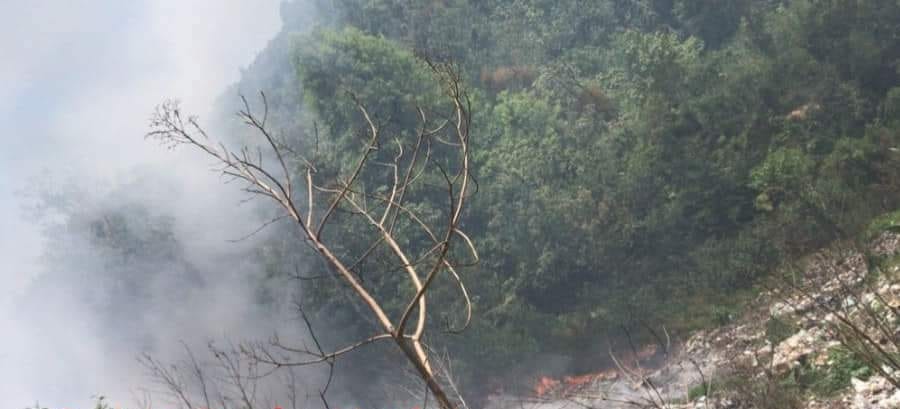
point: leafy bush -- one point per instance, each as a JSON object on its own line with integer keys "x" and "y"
{"x": 761, "y": 392}
{"x": 886, "y": 222}
{"x": 722, "y": 315}
{"x": 702, "y": 389}
{"x": 831, "y": 378}
{"x": 843, "y": 366}
{"x": 778, "y": 330}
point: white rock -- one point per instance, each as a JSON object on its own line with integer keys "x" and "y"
{"x": 798, "y": 346}
{"x": 780, "y": 309}
{"x": 875, "y": 393}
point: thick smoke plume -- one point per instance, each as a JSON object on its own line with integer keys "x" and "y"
{"x": 112, "y": 245}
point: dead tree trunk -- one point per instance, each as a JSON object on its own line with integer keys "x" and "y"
{"x": 344, "y": 192}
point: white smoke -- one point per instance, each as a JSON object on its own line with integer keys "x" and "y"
{"x": 79, "y": 81}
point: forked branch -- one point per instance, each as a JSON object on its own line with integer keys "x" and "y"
{"x": 407, "y": 163}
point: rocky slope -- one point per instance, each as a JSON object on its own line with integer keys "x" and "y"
{"x": 824, "y": 336}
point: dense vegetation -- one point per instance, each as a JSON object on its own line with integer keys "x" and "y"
{"x": 639, "y": 162}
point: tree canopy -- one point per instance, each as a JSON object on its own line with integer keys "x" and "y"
{"x": 638, "y": 162}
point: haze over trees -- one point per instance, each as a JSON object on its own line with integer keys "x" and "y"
{"x": 638, "y": 162}
{"x": 635, "y": 163}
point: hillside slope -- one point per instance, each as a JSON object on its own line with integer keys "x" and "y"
{"x": 792, "y": 347}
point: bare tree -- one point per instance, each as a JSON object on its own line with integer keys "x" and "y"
{"x": 312, "y": 203}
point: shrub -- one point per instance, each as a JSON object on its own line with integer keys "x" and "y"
{"x": 844, "y": 365}
{"x": 702, "y": 389}
{"x": 778, "y": 330}
{"x": 762, "y": 392}
{"x": 723, "y": 314}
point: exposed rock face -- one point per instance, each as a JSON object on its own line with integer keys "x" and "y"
{"x": 835, "y": 292}
{"x": 885, "y": 245}
{"x": 875, "y": 393}
{"x": 889, "y": 294}
{"x": 795, "y": 350}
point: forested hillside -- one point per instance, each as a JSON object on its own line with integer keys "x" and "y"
{"x": 639, "y": 163}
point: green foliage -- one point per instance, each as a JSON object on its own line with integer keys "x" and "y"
{"x": 386, "y": 77}
{"x": 886, "y": 222}
{"x": 695, "y": 392}
{"x": 645, "y": 161}
{"x": 722, "y": 315}
{"x": 843, "y": 365}
{"x": 735, "y": 262}
{"x": 714, "y": 21}
{"x": 655, "y": 64}
{"x": 891, "y": 105}
{"x": 784, "y": 171}
{"x": 778, "y": 330}
{"x": 763, "y": 392}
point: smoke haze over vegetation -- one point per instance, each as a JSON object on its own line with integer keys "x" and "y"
{"x": 79, "y": 80}
{"x": 639, "y": 164}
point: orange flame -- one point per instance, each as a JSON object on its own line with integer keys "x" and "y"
{"x": 544, "y": 385}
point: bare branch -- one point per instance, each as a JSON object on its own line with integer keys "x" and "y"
{"x": 347, "y": 194}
